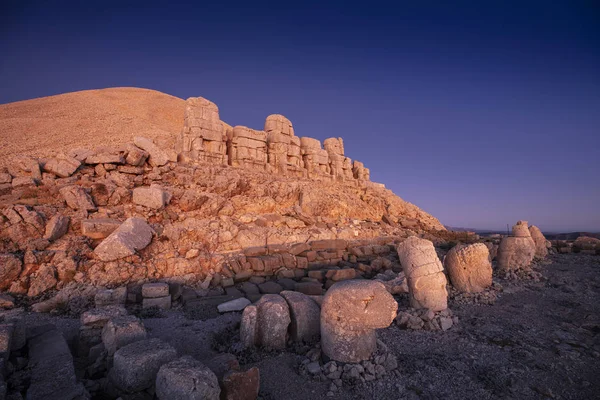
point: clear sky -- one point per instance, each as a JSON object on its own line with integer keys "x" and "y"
{"x": 479, "y": 112}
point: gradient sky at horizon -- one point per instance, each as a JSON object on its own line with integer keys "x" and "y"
{"x": 480, "y": 113}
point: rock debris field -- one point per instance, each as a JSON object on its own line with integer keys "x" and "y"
{"x": 224, "y": 262}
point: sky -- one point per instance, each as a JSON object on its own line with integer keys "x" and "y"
{"x": 481, "y": 112}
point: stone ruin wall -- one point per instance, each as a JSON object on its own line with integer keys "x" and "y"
{"x": 207, "y": 139}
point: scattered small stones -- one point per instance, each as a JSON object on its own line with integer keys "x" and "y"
{"x": 424, "y": 319}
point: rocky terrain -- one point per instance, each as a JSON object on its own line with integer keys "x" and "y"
{"x": 235, "y": 263}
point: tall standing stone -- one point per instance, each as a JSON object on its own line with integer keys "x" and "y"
{"x": 541, "y": 249}
{"x": 517, "y": 251}
{"x": 424, "y": 273}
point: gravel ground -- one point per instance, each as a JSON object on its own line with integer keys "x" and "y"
{"x": 539, "y": 340}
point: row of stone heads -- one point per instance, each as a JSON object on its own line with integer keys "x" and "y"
{"x": 206, "y": 138}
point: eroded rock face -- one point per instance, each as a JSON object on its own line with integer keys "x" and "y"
{"x": 424, "y": 273}
{"x": 350, "y": 313}
{"x": 541, "y": 250}
{"x": 186, "y": 379}
{"x": 204, "y": 136}
{"x": 469, "y": 267}
{"x": 10, "y": 270}
{"x": 341, "y": 166}
{"x": 248, "y": 148}
{"x": 316, "y": 159}
{"x": 133, "y": 234}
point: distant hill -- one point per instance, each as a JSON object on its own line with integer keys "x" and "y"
{"x": 571, "y": 235}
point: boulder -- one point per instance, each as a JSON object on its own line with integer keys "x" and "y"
{"x": 158, "y": 157}
{"x": 186, "y": 379}
{"x": 469, "y": 267}
{"x": 10, "y": 271}
{"x": 136, "y": 156}
{"x": 305, "y": 316}
{"x": 515, "y": 253}
{"x": 98, "y": 317}
{"x": 57, "y": 227}
{"x": 133, "y": 234}
{"x": 163, "y": 303}
{"x": 272, "y": 321}
{"x": 136, "y": 365}
{"x": 424, "y": 273}
{"x": 77, "y": 198}
{"x": 351, "y": 312}
{"x": 42, "y": 280}
{"x": 62, "y": 166}
{"x": 156, "y": 289}
{"x": 248, "y": 328}
{"x": 121, "y": 331}
{"x": 152, "y": 197}
{"x": 541, "y": 251}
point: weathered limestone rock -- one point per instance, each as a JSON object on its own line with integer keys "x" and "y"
{"x": 163, "y": 303}
{"x": 285, "y": 154}
{"x": 154, "y": 290}
{"x": 136, "y": 156}
{"x": 99, "y": 228}
{"x": 515, "y": 253}
{"x": 105, "y": 156}
{"x": 340, "y": 165}
{"x": 158, "y": 157}
{"x": 62, "y": 166}
{"x": 248, "y": 328}
{"x": 26, "y": 164}
{"x": 586, "y": 243}
{"x": 42, "y": 280}
{"x": 265, "y": 324}
{"x": 10, "y": 269}
{"x": 541, "y": 250}
{"x": 107, "y": 297}
{"x": 424, "y": 273}
{"x": 360, "y": 172}
{"x": 52, "y": 370}
{"x": 203, "y": 137}
{"x": 186, "y": 379}
{"x": 316, "y": 159}
{"x": 248, "y": 148}
{"x": 350, "y": 313}
{"x": 520, "y": 229}
{"x": 136, "y": 365}
{"x": 77, "y": 198}
{"x": 121, "y": 331}
{"x": 133, "y": 234}
{"x": 98, "y": 317}
{"x": 305, "y": 315}
{"x": 31, "y": 217}
{"x": 152, "y": 197}
{"x": 469, "y": 267}
{"x": 56, "y": 227}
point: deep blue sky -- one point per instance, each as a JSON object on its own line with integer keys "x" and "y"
{"x": 479, "y": 112}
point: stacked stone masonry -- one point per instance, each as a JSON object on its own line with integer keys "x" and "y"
{"x": 205, "y": 138}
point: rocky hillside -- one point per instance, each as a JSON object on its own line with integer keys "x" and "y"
{"x": 44, "y": 126}
{"x": 212, "y": 204}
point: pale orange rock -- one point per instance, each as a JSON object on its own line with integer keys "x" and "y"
{"x": 541, "y": 250}
{"x": 424, "y": 273}
{"x": 469, "y": 267}
{"x": 350, "y": 313}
